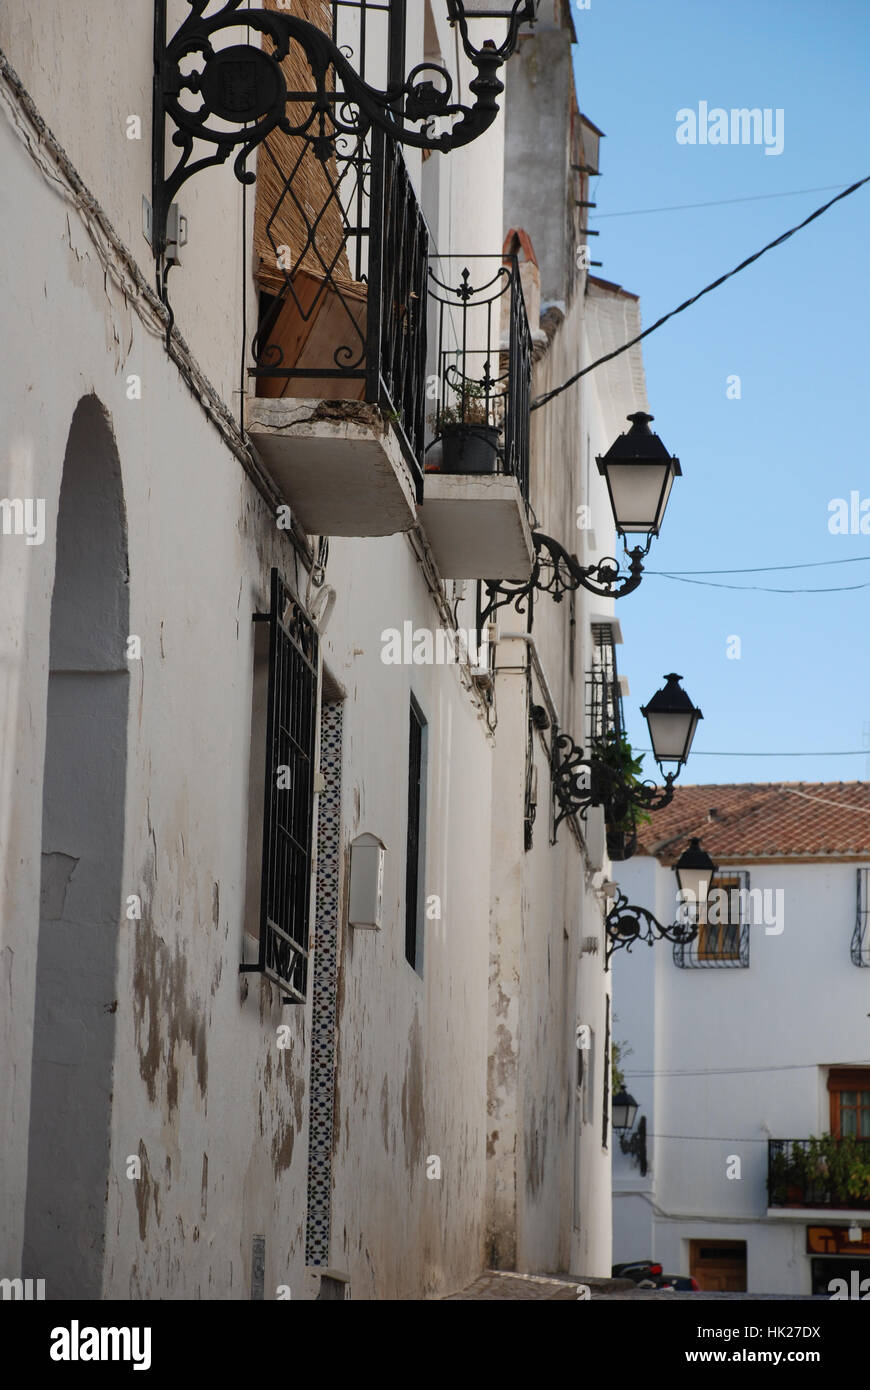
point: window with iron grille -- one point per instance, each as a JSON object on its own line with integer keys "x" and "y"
{"x": 414, "y": 864}
{"x": 603, "y": 695}
{"x": 861, "y": 934}
{"x": 289, "y": 726}
{"x": 723, "y": 939}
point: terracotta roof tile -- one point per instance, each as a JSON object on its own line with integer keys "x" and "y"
{"x": 762, "y": 820}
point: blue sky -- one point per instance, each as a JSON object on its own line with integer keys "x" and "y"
{"x": 759, "y": 472}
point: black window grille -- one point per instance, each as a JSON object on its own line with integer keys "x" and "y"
{"x": 288, "y": 804}
{"x": 861, "y": 934}
{"x": 604, "y": 713}
{"x": 414, "y": 860}
{"x": 723, "y": 940}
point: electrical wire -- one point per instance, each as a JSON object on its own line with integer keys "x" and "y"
{"x": 842, "y": 753}
{"x": 557, "y": 391}
{"x": 720, "y": 202}
{"x": 726, "y": 1071}
{"x": 767, "y": 569}
{"x": 761, "y": 588}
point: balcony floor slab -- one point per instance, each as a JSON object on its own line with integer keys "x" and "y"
{"x": 477, "y": 526}
{"x": 337, "y": 464}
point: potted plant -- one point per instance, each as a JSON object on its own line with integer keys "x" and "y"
{"x": 469, "y": 441}
{"x": 615, "y": 771}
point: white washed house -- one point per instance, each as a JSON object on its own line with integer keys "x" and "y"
{"x": 750, "y": 1041}
{"x": 291, "y": 968}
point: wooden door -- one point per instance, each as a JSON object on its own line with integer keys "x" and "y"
{"x": 719, "y": 1267}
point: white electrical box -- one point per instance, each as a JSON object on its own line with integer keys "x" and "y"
{"x": 366, "y": 882}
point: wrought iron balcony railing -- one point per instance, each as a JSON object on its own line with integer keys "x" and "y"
{"x": 483, "y": 368}
{"x": 823, "y": 1172}
{"x": 343, "y": 249}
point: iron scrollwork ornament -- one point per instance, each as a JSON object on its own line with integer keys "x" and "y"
{"x": 627, "y": 923}
{"x": 555, "y": 571}
{"x": 581, "y": 780}
{"x": 244, "y": 86}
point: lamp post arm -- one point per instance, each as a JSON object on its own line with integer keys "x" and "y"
{"x": 627, "y": 923}
{"x": 556, "y": 571}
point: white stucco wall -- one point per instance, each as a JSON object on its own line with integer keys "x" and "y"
{"x": 214, "y": 1111}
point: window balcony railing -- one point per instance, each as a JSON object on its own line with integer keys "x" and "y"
{"x": 483, "y": 368}
{"x": 860, "y": 951}
{"x": 476, "y": 496}
{"x": 605, "y": 726}
{"x": 822, "y": 1172}
{"x": 343, "y": 253}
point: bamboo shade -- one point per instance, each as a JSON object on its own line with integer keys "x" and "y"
{"x": 312, "y": 195}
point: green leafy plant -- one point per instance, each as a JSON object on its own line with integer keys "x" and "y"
{"x": 618, "y": 1053}
{"x": 823, "y": 1169}
{"x": 617, "y": 756}
{"x": 469, "y": 407}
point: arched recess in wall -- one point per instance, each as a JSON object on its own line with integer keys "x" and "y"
{"x": 81, "y": 884}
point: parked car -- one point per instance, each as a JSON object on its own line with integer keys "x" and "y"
{"x": 637, "y": 1271}
{"x": 647, "y": 1274}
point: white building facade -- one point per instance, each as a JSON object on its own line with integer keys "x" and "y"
{"x": 294, "y": 965}
{"x": 745, "y": 1046}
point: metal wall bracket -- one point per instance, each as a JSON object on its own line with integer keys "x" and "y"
{"x": 626, "y": 923}
{"x": 243, "y": 86}
{"x": 557, "y": 572}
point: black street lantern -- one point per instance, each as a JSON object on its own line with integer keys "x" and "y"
{"x": 672, "y": 721}
{"x": 624, "y": 1111}
{"x": 694, "y": 870}
{"x": 582, "y": 779}
{"x": 639, "y": 473}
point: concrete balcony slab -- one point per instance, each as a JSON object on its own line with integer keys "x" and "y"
{"x": 477, "y": 526}
{"x": 337, "y": 464}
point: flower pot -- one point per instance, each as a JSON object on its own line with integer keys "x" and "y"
{"x": 621, "y": 844}
{"x": 469, "y": 449}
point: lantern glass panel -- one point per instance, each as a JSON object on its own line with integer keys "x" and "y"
{"x": 639, "y": 494}
{"x": 695, "y": 882}
{"x": 671, "y": 734}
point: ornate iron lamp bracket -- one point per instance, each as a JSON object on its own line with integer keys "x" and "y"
{"x": 573, "y": 776}
{"x": 244, "y": 86}
{"x": 646, "y": 796}
{"x": 635, "y": 1146}
{"x": 582, "y": 780}
{"x": 626, "y": 923}
{"x": 557, "y": 572}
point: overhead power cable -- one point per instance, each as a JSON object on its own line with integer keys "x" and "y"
{"x": 760, "y": 588}
{"x": 767, "y": 569}
{"x": 802, "y": 753}
{"x": 721, "y": 1071}
{"x": 608, "y": 357}
{"x": 719, "y": 202}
